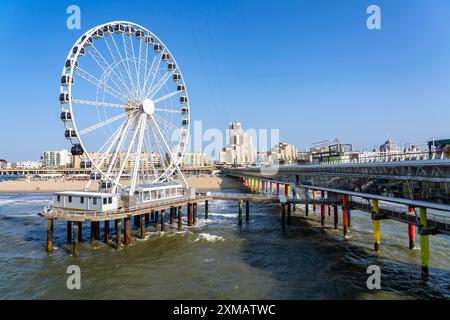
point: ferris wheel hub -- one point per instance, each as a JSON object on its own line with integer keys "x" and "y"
{"x": 148, "y": 106}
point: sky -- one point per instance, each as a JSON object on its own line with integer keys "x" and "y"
{"x": 310, "y": 68}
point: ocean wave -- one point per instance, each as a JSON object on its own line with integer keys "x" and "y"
{"x": 225, "y": 215}
{"x": 24, "y": 202}
{"x": 209, "y": 237}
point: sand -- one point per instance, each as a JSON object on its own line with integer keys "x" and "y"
{"x": 202, "y": 183}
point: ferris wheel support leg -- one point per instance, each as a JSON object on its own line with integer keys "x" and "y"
{"x": 169, "y": 151}
{"x": 86, "y": 187}
{"x": 142, "y": 121}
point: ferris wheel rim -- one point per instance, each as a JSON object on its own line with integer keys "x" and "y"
{"x": 179, "y": 150}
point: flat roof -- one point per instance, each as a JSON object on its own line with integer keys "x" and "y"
{"x": 85, "y": 194}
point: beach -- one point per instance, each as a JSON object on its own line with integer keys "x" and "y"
{"x": 202, "y": 183}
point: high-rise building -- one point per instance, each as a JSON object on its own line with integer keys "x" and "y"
{"x": 62, "y": 158}
{"x": 241, "y": 150}
{"x": 284, "y": 153}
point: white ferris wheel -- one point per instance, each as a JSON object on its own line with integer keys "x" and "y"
{"x": 125, "y": 106}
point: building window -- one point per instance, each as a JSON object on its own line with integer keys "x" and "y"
{"x": 110, "y": 200}
{"x": 94, "y": 201}
{"x": 81, "y": 199}
{"x": 70, "y": 198}
{"x": 105, "y": 200}
{"x": 58, "y": 198}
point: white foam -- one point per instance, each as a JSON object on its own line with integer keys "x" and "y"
{"x": 209, "y": 237}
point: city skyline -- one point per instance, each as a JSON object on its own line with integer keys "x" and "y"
{"x": 395, "y": 78}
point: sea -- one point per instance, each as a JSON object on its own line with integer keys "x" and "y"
{"x": 217, "y": 258}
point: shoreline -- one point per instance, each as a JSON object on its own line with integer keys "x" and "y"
{"x": 201, "y": 183}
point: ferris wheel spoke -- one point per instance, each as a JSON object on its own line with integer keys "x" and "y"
{"x": 150, "y": 73}
{"x": 150, "y": 152}
{"x": 161, "y": 153}
{"x": 103, "y": 123}
{"x": 154, "y": 90}
{"x": 118, "y": 148}
{"x": 168, "y": 150}
{"x": 137, "y": 159}
{"x": 127, "y": 155}
{"x": 114, "y": 137}
{"x": 121, "y": 59}
{"x": 166, "y": 123}
{"x": 167, "y": 96}
{"x": 98, "y": 103}
{"x": 105, "y": 66}
{"x": 127, "y": 58}
{"x": 99, "y": 84}
{"x": 135, "y": 64}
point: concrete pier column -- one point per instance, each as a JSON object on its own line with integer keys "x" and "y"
{"x": 127, "y": 231}
{"x": 118, "y": 225}
{"x": 190, "y": 214}
{"x": 155, "y": 218}
{"x": 376, "y": 228}
{"x": 163, "y": 219}
{"x": 180, "y": 217}
{"x": 194, "y": 209}
{"x": 411, "y": 230}
{"x": 344, "y": 214}
{"x": 240, "y": 212}
{"x": 142, "y": 226}
{"x": 336, "y": 216}
{"x": 49, "y": 235}
{"x": 69, "y": 231}
{"x": 76, "y": 230}
{"x": 247, "y": 211}
{"x": 106, "y": 232}
{"x": 288, "y": 213}
{"x": 286, "y": 190}
{"x": 283, "y": 215}
{"x": 206, "y": 209}
{"x": 172, "y": 215}
{"x": 424, "y": 246}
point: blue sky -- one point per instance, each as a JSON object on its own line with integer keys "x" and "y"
{"x": 310, "y": 68}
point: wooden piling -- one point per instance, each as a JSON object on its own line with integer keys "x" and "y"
{"x": 180, "y": 217}
{"x": 247, "y": 211}
{"x": 142, "y": 225}
{"x": 189, "y": 214}
{"x": 147, "y": 218}
{"x": 155, "y": 218}
{"x": 206, "y": 210}
{"x": 94, "y": 242}
{"x": 136, "y": 222}
{"x": 69, "y": 231}
{"x": 240, "y": 212}
{"x": 195, "y": 212}
{"x": 127, "y": 231}
{"x": 106, "y": 232}
{"x": 306, "y": 209}
{"x": 283, "y": 215}
{"x": 336, "y": 216}
{"x": 152, "y": 215}
{"x": 288, "y": 213}
{"x": 322, "y": 215}
{"x": 162, "y": 219}
{"x": 172, "y": 215}
{"x": 118, "y": 225}
{"x": 76, "y": 230}
{"x": 49, "y": 235}
{"x": 80, "y": 231}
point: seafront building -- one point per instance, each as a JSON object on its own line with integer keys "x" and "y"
{"x": 56, "y": 159}
{"x": 195, "y": 159}
{"x": 240, "y": 150}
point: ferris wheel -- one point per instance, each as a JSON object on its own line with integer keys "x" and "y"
{"x": 125, "y": 106}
